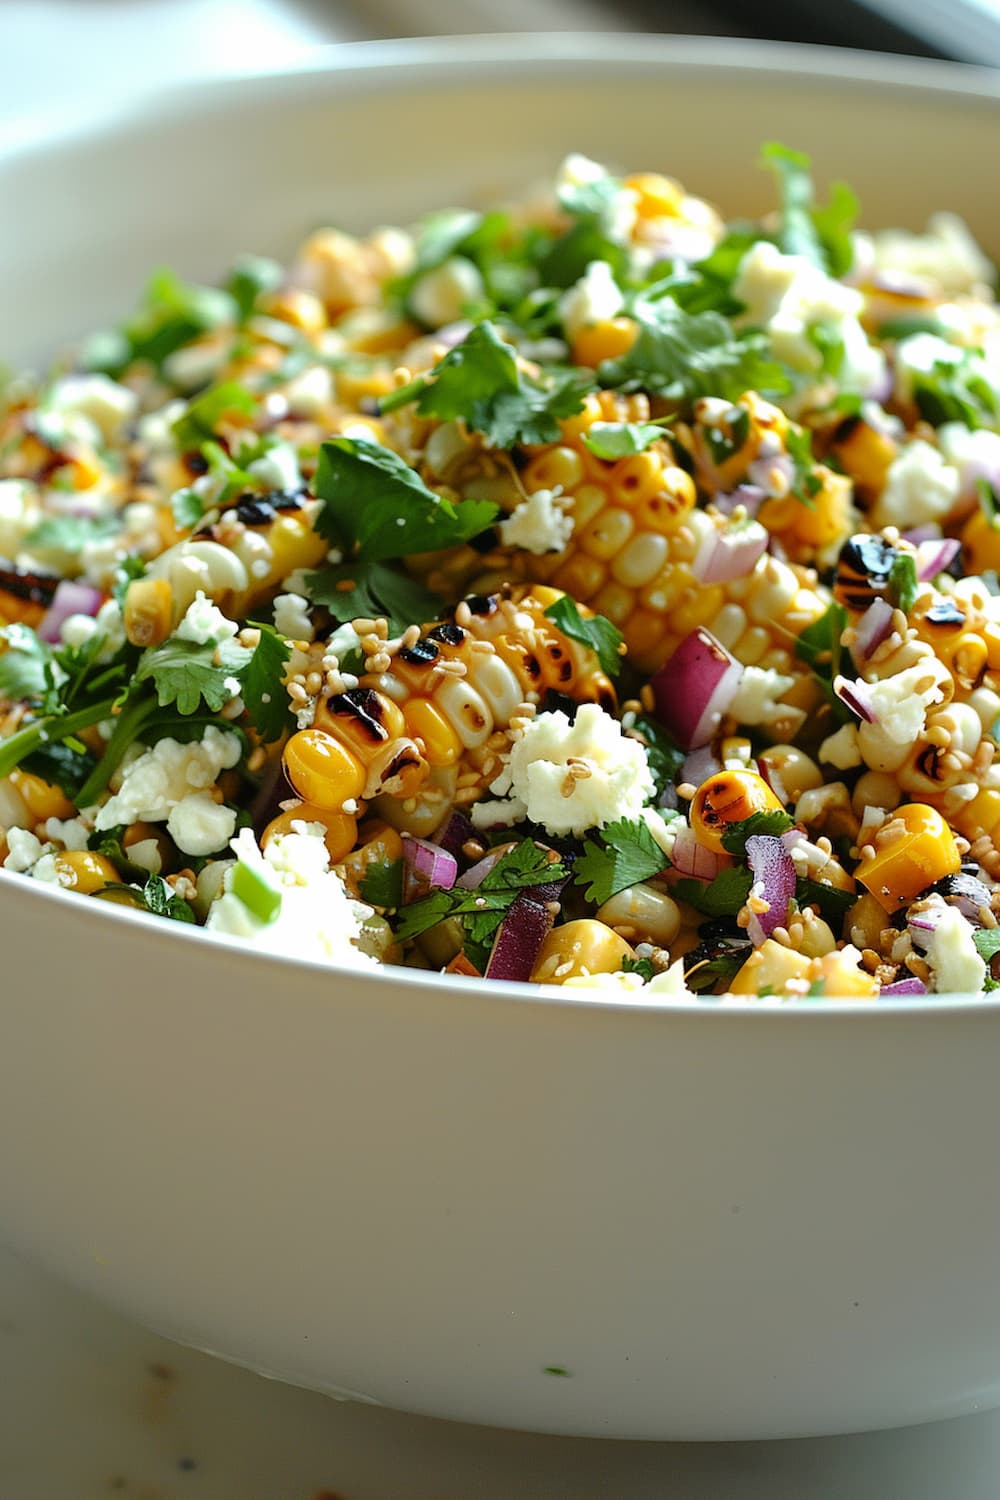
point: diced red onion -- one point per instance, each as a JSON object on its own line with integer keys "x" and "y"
{"x": 428, "y": 866}
{"x": 472, "y": 878}
{"x": 902, "y": 283}
{"x": 857, "y": 696}
{"x": 935, "y": 557}
{"x": 879, "y": 388}
{"x": 901, "y": 988}
{"x": 763, "y": 470}
{"x": 70, "y": 598}
{"x": 453, "y": 334}
{"x": 929, "y": 532}
{"x": 874, "y": 626}
{"x": 793, "y": 838}
{"x": 725, "y": 555}
{"x": 772, "y": 775}
{"x": 519, "y": 938}
{"x": 694, "y": 689}
{"x": 455, "y": 834}
{"x": 698, "y": 765}
{"x": 774, "y": 880}
{"x": 923, "y": 924}
{"x": 749, "y": 496}
{"x": 688, "y": 857}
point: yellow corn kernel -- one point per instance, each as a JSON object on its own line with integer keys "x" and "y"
{"x": 796, "y": 771}
{"x": 153, "y": 834}
{"x": 340, "y": 829}
{"x": 608, "y": 338}
{"x": 556, "y": 466}
{"x": 644, "y": 913}
{"x": 380, "y": 845}
{"x": 967, "y": 658}
{"x": 844, "y": 979}
{"x": 581, "y": 576}
{"x": 981, "y": 815}
{"x": 362, "y": 733}
{"x": 637, "y": 478}
{"x": 582, "y": 947}
{"x": 606, "y": 535}
{"x": 84, "y": 871}
{"x": 148, "y": 614}
{"x": 322, "y": 770}
{"x": 42, "y": 799}
{"x": 294, "y": 305}
{"x": 665, "y": 510}
{"x": 573, "y": 428}
{"x": 865, "y": 455}
{"x": 426, "y": 722}
{"x": 656, "y": 197}
{"x": 730, "y": 797}
{"x": 641, "y": 559}
{"x": 615, "y": 602}
{"x": 913, "y": 850}
{"x": 772, "y": 966}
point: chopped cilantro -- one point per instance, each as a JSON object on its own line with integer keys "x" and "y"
{"x": 186, "y": 673}
{"x": 201, "y": 417}
{"x": 902, "y": 588}
{"x": 350, "y": 590}
{"x": 640, "y": 966}
{"x": 603, "y": 638}
{"x": 956, "y": 391}
{"x": 261, "y": 685}
{"x": 251, "y": 276}
{"x": 905, "y": 327}
{"x": 716, "y": 958}
{"x": 173, "y": 312}
{"x": 26, "y": 664}
{"x": 613, "y": 440}
{"x": 188, "y": 509}
{"x": 987, "y": 941}
{"x": 773, "y": 822}
{"x": 833, "y": 903}
{"x": 626, "y": 854}
{"x": 682, "y": 356}
{"x": 382, "y": 884}
{"x": 161, "y": 901}
{"x": 482, "y": 910}
{"x": 479, "y": 381}
{"x": 820, "y": 646}
{"x": 721, "y": 897}
{"x": 67, "y": 766}
{"x": 807, "y": 485}
{"x": 822, "y": 235}
{"x": 828, "y": 342}
{"x": 663, "y": 757}
{"x": 70, "y": 533}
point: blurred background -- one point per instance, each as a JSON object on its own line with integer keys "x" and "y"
{"x": 78, "y": 53}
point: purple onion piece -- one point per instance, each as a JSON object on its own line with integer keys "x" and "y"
{"x": 472, "y": 878}
{"x": 936, "y": 557}
{"x": 900, "y": 988}
{"x": 761, "y": 471}
{"x": 928, "y": 532}
{"x": 774, "y": 873}
{"x": 519, "y": 939}
{"x": 730, "y": 554}
{"x": 857, "y": 696}
{"x": 694, "y": 689}
{"x": 750, "y": 496}
{"x": 874, "y": 626}
{"x": 455, "y": 834}
{"x": 70, "y": 598}
{"x": 428, "y": 867}
{"x": 698, "y": 765}
{"x": 691, "y": 858}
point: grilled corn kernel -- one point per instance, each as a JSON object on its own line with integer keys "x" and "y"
{"x": 577, "y": 948}
{"x": 322, "y": 770}
{"x": 339, "y": 829}
{"x": 730, "y": 797}
{"x": 426, "y": 722}
{"x": 608, "y": 338}
{"x": 84, "y": 871}
{"x": 149, "y": 611}
{"x": 913, "y": 849}
{"x": 42, "y": 799}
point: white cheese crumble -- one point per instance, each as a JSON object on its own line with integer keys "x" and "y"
{"x": 497, "y": 813}
{"x": 900, "y": 710}
{"x": 951, "y": 952}
{"x": 595, "y": 297}
{"x": 317, "y": 919}
{"x": 919, "y": 487}
{"x": 155, "y": 780}
{"x": 310, "y": 393}
{"x": 71, "y": 833}
{"x": 578, "y": 171}
{"x": 440, "y": 296}
{"x": 110, "y": 406}
{"x": 575, "y": 776}
{"x": 199, "y": 826}
{"x": 291, "y": 617}
{"x": 204, "y": 623}
{"x": 791, "y": 296}
{"x": 279, "y": 468}
{"x": 945, "y": 254}
{"x": 841, "y": 749}
{"x": 540, "y": 523}
{"x": 20, "y": 513}
{"x": 23, "y": 850}
{"x": 756, "y": 701}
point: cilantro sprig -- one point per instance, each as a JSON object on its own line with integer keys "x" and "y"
{"x": 623, "y": 854}
{"x": 773, "y": 823}
{"x": 820, "y": 233}
{"x": 604, "y": 639}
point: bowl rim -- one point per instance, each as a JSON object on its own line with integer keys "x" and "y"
{"x": 380, "y": 64}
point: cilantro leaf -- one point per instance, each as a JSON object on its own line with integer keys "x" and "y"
{"x": 613, "y": 440}
{"x": 198, "y": 421}
{"x": 833, "y": 903}
{"x": 161, "y": 901}
{"x": 26, "y": 664}
{"x": 186, "y": 674}
{"x": 349, "y": 590}
{"x": 682, "y": 356}
{"x": 261, "y": 684}
{"x": 716, "y": 958}
{"x": 956, "y": 391}
{"x": 987, "y": 941}
{"x": 382, "y": 884}
{"x": 70, "y": 533}
{"x": 822, "y": 235}
{"x": 375, "y": 502}
{"x": 188, "y": 509}
{"x": 66, "y": 766}
{"x": 640, "y": 966}
{"x": 173, "y": 312}
{"x": 479, "y": 381}
{"x": 626, "y": 854}
{"x": 773, "y": 822}
{"x": 820, "y": 646}
{"x": 482, "y": 910}
{"x": 663, "y": 757}
{"x": 603, "y": 638}
{"x": 798, "y": 443}
{"x": 251, "y": 276}
{"x": 722, "y": 897}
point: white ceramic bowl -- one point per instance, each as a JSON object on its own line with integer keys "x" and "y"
{"x": 485, "y": 1202}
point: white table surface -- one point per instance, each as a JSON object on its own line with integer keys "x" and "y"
{"x": 93, "y": 1407}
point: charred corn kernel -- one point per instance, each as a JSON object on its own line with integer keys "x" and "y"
{"x": 644, "y": 913}
{"x": 322, "y": 770}
{"x": 913, "y": 849}
{"x": 730, "y": 797}
{"x": 25, "y": 595}
{"x": 84, "y": 871}
{"x": 339, "y": 829}
{"x": 361, "y": 721}
{"x": 42, "y": 799}
{"x": 582, "y": 947}
{"x": 380, "y": 845}
{"x": 608, "y": 338}
{"x": 772, "y": 967}
{"x": 442, "y": 745}
{"x": 148, "y": 614}
{"x": 843, "y": 978}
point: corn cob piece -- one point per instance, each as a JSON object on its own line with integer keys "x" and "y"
{"x": 427, "y": 730}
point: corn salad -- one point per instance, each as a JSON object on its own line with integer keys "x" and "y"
{"x": 584, "y": 590}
